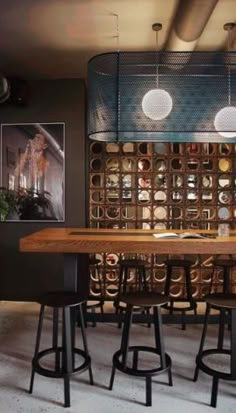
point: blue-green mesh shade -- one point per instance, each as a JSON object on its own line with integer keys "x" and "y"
{"x": 197, "y": 82}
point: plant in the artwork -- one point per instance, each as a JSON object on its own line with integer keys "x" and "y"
{"x": 28, "y": 204}
{"x": 33, "y": 205}
{"x": 7, "y": 202}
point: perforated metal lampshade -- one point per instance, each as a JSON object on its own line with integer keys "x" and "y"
{"x": 196, "y": 83}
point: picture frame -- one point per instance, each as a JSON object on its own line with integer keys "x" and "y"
{"x": 33, "y": 169}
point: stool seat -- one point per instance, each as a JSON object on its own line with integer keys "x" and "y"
{"x": 60, "y": 299}
{"x": 144, "y": 299}
{"x": 225, "y": 301}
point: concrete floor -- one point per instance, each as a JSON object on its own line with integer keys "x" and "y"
{"x": 18, "y": 322}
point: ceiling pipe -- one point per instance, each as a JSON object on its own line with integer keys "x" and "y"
{"x": 189, "y": 23}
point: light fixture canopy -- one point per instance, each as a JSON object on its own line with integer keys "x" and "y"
{"x": 225, "y": 119}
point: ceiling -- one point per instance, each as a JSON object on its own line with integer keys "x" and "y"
{"x": 55, "y": 38}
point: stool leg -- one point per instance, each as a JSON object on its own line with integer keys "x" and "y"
{"x": 135, "y": 360}
{"x": 214, "y": 391}
{"x": 167, "y": 287}
{"x": 125, "y": 272}
{"x": 212, "y": 280}
{"x": 93, "y": 311}
{"x": 143, "y": 284}
{"x": 67, "y": 354}
{"x": 143, "y": 275}
{"x": 226, "y": 280}
{"x": 159, "y": 336}
{"x": 208, "y": 308}
{"x": 183, "y": 320}
{"x": 124, "y": 342}
{"x": 112, "y": 377}
{"x": 85, "y": 344}
{"x": 189, "y": 292}
{"x": 148, "y": 390}
{"x": 126, "y": 333}
{"x": 122, "y": 279}
{"x": 221, "y": 330}
{"x": 38, "y": 337}
{"x": 125, "y": 282}
{"x": 233, "y": 343}
{"x": 55, "y": 339}
{"x": 102, "y": 289}
{"x": 168, "y": 281}
{"x": 160, "y": 341}
{"x": 74, "y": 316}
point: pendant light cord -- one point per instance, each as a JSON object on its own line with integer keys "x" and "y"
{"x": 229, "y": 27}
{"x": 229, "y": 80}
{"x": 117, "y": 32}
{"x": 229, "y": 87}
{"x": 157, "y": 67}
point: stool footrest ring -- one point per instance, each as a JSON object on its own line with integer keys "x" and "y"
{"x": 60, "y": 373}
{"x": 210, "y": 370}
{"x": 117, "y": 362}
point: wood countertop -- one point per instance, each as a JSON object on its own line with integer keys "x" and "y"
{"x": 89, "y": 240}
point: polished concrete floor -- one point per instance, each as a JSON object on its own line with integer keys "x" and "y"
{"x": 18, "y": 322}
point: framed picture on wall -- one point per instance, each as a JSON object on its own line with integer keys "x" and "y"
{"x": 33, "y": 170}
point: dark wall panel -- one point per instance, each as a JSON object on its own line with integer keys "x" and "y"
{"x": 25, "y": 276}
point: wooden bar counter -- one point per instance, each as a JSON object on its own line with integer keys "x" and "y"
{"x": 89, "y": 240}
{"x": 75, "y": 242}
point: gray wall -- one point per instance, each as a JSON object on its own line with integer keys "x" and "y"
{"x": 25, "y": 276}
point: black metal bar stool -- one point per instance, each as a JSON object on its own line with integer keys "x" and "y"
{"x": 227, "y": 266}
{"x": 92, "y": 302}
{"x": 139, "y": 283}
{"x": 120, "y": 358}
{"x": 187, "y": 297}
{"x": 222, "y": 302}
{"x": 64, "y": 356}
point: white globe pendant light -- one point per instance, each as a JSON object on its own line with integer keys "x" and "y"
{"x": 157, "y": 103}
{"x": 225, "y": 119}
